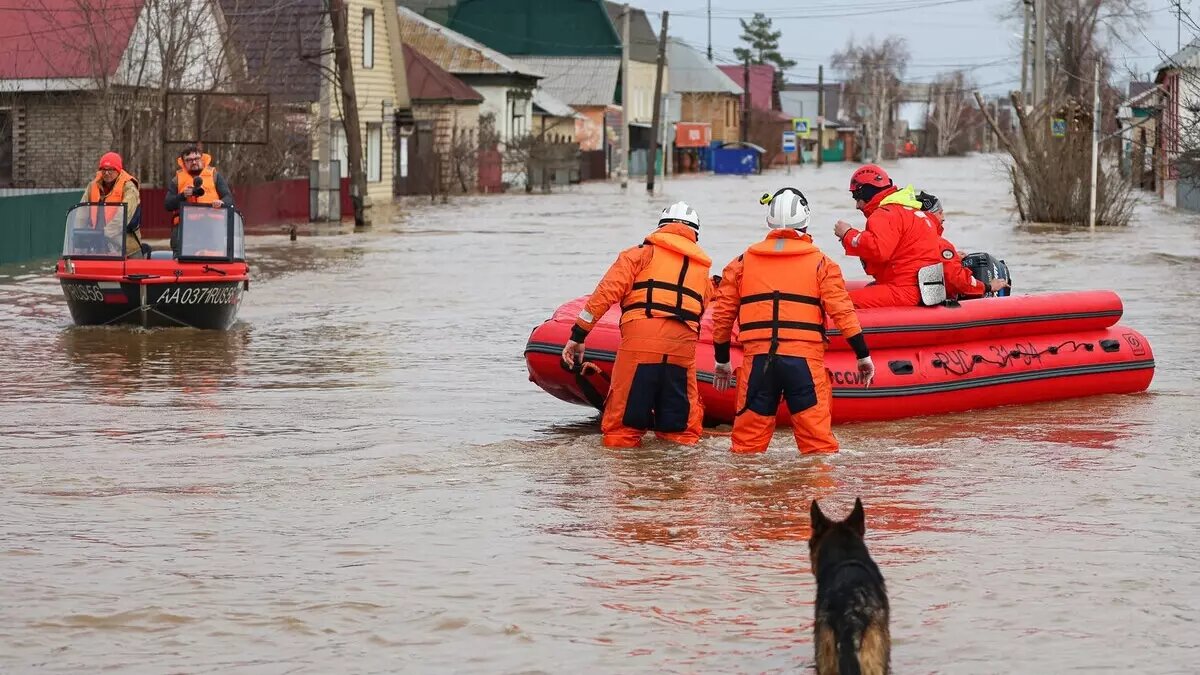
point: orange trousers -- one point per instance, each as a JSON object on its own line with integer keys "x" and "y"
{"x": 653, "y": 386}
{"x": 886, "y": 295}
{"x": 800, "y": 382}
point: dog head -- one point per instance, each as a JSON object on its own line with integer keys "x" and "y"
{"x": 824, "y": 529}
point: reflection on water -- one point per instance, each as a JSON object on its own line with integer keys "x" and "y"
{"x": 358, "y": 476}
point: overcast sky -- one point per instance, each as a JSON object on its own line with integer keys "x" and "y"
{"x": 942, "y": 34}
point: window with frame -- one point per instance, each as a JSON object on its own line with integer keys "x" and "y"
{"x": 368, "y": 45}
{"x": 374, "y": 153}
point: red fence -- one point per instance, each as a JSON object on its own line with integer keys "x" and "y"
{"x": 280, "y": 201}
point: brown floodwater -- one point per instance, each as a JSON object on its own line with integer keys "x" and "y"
{"x": 358, "y": 477}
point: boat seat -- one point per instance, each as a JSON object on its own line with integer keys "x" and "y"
{"x": 161, "y": 255}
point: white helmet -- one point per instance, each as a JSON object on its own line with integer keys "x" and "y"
{"x": 680, "y": 212}
{"x": 788, "y": 208}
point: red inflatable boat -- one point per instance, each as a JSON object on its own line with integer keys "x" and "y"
{"x": 977, "y": 354}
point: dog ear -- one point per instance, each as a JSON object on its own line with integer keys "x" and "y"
{"x": 857, "y": 519}
{"x": 819, "y": 522}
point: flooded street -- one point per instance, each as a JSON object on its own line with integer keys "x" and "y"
{"x": 358, "y": 477}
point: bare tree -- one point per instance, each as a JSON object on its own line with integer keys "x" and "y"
{"x": 872, "y": 72}
{"x": 1050, "y": 172}
{"x": 949, "y": 103}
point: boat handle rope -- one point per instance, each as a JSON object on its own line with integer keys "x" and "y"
{"x": 582, "y": 370}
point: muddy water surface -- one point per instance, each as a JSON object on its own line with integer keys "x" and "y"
{"x": 359, "y": 478}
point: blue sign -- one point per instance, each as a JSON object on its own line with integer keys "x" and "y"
{"x": 1058, "y": 127}
{"x": 789, "y": 141}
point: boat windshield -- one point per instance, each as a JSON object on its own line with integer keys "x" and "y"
{"x": 211, "y": 233}
{"x": 95, "y": 230}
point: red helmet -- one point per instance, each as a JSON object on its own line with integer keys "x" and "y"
{"x": 869, "y": 174}
{"x": 111, "y": 160}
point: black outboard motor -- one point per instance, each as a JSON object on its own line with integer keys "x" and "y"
{"x": 985, "y": 268}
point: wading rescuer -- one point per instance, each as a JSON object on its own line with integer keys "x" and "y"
{"x": 196, "y": 182}
{"x": 897, "y": 241}
{"x": 779, "y": 292}
{"x": 113, "y": 186}
{"x": 663, "y": 286}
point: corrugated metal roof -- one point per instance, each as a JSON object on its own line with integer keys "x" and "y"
{"x": 455, "y": 52}
{"x": 429, "y": 82}
{"x": 552, "y": 106}
{"x": 691, "y": 72}
{"x": 578, "y": 80}
{"x": 762, "y": 84}
{"x": 538, "y": 27}
{"x": 275, "y": 45}
{"x": 47, "y": 40}
{"x": 643, "y": 45}
{"x": 1181, "y": 58}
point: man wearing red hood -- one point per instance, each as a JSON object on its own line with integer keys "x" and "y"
{"x": 898, "y": 240}
{"x": 113, "y": 186}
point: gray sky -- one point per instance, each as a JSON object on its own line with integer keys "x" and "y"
{"x": 942, "y": 34}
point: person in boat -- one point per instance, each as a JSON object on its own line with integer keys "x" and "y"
{"x": 779, "y": 292}
{"x": 897, "y": 241}
{"x": 663, "y": 287}
{"x": 112, "y": 185}
{"x": 196, "y": 182}
{"x": 960, "y": 283}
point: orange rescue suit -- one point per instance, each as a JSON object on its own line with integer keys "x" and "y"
{"x": 898, "y": 240}
{"x": 663, "y": 287}
{"x": 779, "y": 292}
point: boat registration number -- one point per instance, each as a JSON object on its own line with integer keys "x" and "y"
{"x": 84, "y": 292}
{"x": 200, "y": 296}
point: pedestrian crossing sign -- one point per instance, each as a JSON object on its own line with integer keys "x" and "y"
{"x": 1058, "y": 127}
{"x": 800, "y": 125}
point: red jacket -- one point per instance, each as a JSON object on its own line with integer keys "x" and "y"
{"x": 960, "y": 283}
{"x": 898, "y": 239}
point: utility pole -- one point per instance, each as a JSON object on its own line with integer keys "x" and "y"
{"x": 820, "y": 115}
{"x": 1025, "y": 57}
{"x": 625, "y": 145}
{"x": 745, "y": 99}
{"x": 710, "y": 31}
{"x": 326, "y": 179}
{"x": 338, "y": 16}
{"x": 1039, "y": 64}
{"x": 1095, "y": 150}
{"x": 662, "y": 57}
{"x": 1178, "y": 25}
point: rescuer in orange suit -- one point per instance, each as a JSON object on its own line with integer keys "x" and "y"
{"x": 663, "y": 287}
{"x": 898, "y": 240}
{"x": 960, "y": 283}
{"x": 779, "y": 292}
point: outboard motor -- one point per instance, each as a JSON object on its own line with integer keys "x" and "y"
{"x": 985, "y": 268}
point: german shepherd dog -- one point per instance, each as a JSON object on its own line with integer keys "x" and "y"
{"x": 851, "y": 630}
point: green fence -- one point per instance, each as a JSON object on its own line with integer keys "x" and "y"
{"x": 31, "y": 226}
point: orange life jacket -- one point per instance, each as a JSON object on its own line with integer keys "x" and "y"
{"x": 208, "y": 176}
{"x": 780, "y": 294}
{"x": 115, "y": 196}
{"x": 672, "y": 285}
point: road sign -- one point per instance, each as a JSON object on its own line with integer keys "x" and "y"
{"x": 789, "y": 141}
{"x": 1058, "y": 127}
{"x": 801, "y": 126}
